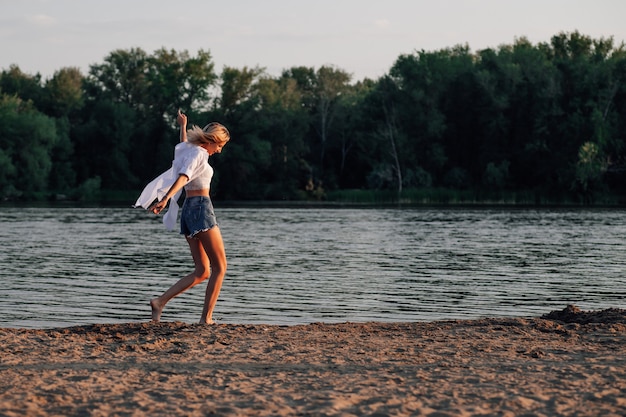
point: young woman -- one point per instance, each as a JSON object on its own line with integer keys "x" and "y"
{"x": 191, "y": 171}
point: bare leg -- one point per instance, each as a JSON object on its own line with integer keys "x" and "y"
{"x": 157, "y": 309}
{"x": 200, "y": 273}
{"x": 214, "y": 248}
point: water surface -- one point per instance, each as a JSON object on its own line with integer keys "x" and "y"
{"x": 69, "y": 266}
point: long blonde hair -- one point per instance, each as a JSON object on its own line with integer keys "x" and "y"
{"x": 212, "y": 133}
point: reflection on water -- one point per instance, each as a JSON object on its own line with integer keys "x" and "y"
{"x": 68, "y": 266}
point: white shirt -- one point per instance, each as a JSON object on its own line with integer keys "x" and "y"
{"x": 189, "y": 160}
{"x": 193, "y": 162}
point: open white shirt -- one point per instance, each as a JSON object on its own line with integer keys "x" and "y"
{"x": 189, "y": 160}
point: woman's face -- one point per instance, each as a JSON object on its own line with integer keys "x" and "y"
{"x": 213, "y": 147}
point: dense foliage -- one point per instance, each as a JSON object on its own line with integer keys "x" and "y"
{"x": 532, "y": 123}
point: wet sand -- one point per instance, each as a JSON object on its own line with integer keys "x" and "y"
{"x": 568, "y": 362}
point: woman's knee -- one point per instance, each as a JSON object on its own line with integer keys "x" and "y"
{"x": 219, "y": 267}
{"x": 202, "y": 272}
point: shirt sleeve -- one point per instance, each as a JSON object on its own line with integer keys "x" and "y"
{"x": 188, "y": 162}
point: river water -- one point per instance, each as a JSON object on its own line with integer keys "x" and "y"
{"x": 68, "y": 266}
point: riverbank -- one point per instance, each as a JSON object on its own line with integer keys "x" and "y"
{"x": 411, "y": 197}
{"x": 570, "y": 362}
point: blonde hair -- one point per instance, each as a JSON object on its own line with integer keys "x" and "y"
{"x": 212, "y": 133}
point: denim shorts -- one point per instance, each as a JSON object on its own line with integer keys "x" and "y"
{"x": 197, "y": 216}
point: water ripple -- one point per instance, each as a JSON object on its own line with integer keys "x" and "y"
{"x": 69, "y": 266}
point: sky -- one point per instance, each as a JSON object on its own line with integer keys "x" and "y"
{"x": 361, "y": 37}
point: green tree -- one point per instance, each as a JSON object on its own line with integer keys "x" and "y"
{"x": 27, "y": 87}
{"x": 548, "y": 117}
{"x": 177, "y": 80}
{"x": 285, "y": 122}
{"x": 105, "y": 147}
{"x": 533, "y": 103}
{"x": 122, "y": 77}
{"x": 383, "y": 142}
{"x": 140, "y": 94}
{"x": 329, "y": 84}
{"x": 439, "y": 128}
{"x": 237, "y": 87}
{"x": 64, "y": 93}
{"x": 589, "y": 169}
{"x": 241, "y": 169}
{"x": 27, "y": 138}
{"x": 63, "y": 174}
{"x": 351, "y": 134}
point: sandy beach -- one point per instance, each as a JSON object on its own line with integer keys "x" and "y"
{"x": 568, "y": 362}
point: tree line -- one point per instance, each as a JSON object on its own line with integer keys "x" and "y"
{"x": 534, "y": 122}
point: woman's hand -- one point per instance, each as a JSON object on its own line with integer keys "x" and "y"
{"x": 180, "y": 182}
{"x": 157, "y": 207}
{"x": 181, "y": 118}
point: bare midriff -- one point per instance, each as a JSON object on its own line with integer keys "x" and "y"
{"x": 197, "y": 193}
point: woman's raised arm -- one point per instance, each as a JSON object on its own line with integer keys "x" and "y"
{"x": 181, "y": 118}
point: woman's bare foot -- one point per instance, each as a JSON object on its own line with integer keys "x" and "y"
{"x": 207, "y": 322}
{"x": 157, "y": 309}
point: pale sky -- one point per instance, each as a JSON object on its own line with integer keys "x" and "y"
{"x": 362, "y": 37}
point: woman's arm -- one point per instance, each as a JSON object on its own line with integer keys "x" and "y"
{"x": 181, "y": 118}
{"x": 182, "y": 179}
{"x": 180, "y": 182}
